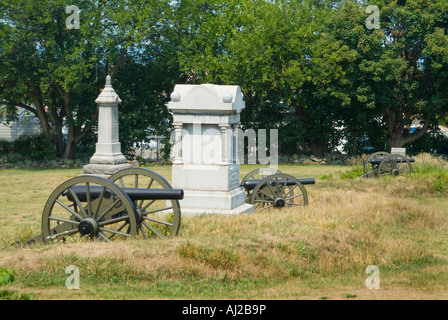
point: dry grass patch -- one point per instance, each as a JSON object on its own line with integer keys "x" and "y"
{"x": 398, "y": 224}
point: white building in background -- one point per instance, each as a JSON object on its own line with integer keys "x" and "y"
{"x": 150, "y": 148}
{"x": 444, "y": 130}
{"x": 26, "y": 125}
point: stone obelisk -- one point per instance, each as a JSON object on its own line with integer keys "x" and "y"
{"x": 108, "y": 158}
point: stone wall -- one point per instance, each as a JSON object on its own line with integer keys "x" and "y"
{"x": 49, "y": 164}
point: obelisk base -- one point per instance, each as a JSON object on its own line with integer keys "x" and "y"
{"x": 104, "y": 170}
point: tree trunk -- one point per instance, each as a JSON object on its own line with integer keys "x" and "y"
{"x": 317, "y": 148}
{"x": 396, "y": 140}
{"x": 69, "y": 152}
{"x": 396, "y": 135}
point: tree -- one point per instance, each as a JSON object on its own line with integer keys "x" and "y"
{"x": 57, "y": 72}
{"x": 399, "y": 75}
{"x": 276, "y": 53}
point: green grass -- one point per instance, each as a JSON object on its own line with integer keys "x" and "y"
{"x": 318, "y": 252}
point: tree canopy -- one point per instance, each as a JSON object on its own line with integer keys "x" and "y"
{"x": 314, "y": 69}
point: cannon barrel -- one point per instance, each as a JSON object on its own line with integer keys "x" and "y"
{"x": 375, "y": 161}
{"x": 251, "y": 184}
{"x": 133, "y": 193}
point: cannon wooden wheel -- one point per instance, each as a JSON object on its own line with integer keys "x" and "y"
{"x": 156, "y": 217}
{"x": 103, "y": 216}
{"x": 369, "y": 168}
{"x": 394, "y": 165}
{"x": 257, "y": 174}
{"x": 277, "y": 191}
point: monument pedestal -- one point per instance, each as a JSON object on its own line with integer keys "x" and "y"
{"x": 104, "y": 170}
{"x": 210, "y": 189}
{"x": 206, "y": 119}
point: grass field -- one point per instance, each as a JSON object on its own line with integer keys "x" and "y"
{"x": 398, "y": 224}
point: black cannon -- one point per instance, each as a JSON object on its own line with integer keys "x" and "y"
{"x": 382, "y": 163}
{"x": 129, "y": 203}
{"x": 268, "y": 187}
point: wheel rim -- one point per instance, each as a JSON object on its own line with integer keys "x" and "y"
{"x": 369, "y": 168}
{"x": 109, "y": 214}
{"x": 157, "y": 218}
{"x": 258, "y": 174}
{"x": 394, "y": 165}
{"x": 278, "y": 191}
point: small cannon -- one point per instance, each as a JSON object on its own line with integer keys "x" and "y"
{"x": 268, "y": 187}
{"x": 382, "y": 163}
{"x": 130, "y": 202}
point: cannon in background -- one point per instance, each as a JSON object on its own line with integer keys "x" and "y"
{"x": 270, "y": 188}
{"x": 382, "y": 163}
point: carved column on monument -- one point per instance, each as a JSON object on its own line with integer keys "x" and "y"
{"x": 225, "y": 143}
{"x": 108, "y": 158}
{"x": 235, "y": 146}
{"x": 177, "y": 143}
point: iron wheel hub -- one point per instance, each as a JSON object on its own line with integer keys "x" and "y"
{"x": 88, "y": 226}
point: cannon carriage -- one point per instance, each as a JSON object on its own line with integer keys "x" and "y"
{"x": 382, "y": 163}
{"x": 270, "y": 188}
{"x": 130, "y": 203}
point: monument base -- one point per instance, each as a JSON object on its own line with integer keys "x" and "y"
{"x": 104, "y": 170}
{"x": 244, "y": 208}
{"x": 215, "y": 202}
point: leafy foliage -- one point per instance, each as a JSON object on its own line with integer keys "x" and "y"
{"x": 311, "y": 68}
{"x": 8, "y": 276}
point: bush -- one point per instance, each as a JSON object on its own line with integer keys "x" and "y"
{"x": 7, "y": 276}
{"x": 5, "y": 147}
{"x": 36, "y": 147}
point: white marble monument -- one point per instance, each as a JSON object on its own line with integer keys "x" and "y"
{"x": 206, "y": 119}
{"x": 108, "y": 158}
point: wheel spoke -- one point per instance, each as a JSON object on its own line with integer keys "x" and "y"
{"x": 108, "y": 209}
{"x": 270, "y": 189}
{"x": 110, "y": 221}
{"x": 271, "y": 197}
{"x": 147, "y": 205}
{"x": 73, "y": 212}
{"x": 290, "y": 190}
{"x": 267, "y": 206}
{"x": 100, "y": 200}
{"x": 75, "y": 197}
{"x": 293, "y": 197}
{"x": 64, "y": 220}
{"x": 147, "y": 187}
{"x": 115, "y": 232}
{"x": 142, "y": 229}
{"x": 261, "y": 200}
{"x": 126, "y": 223}
{"x": 157, "y": 210}
{"x": 159, "y": 221}
{"x": 103, "y": 236}
{"x": 64, "y": 233}
{"x": 89, "y": 201}
{"x": 153, "y": 230}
